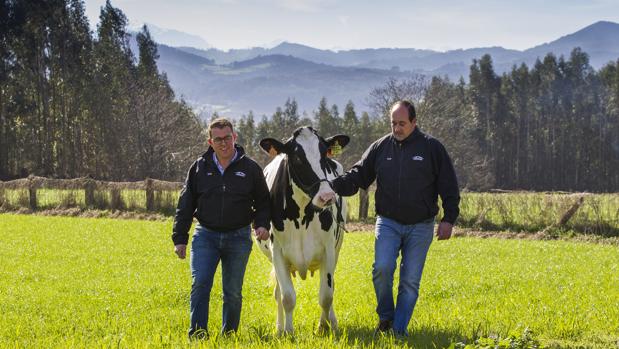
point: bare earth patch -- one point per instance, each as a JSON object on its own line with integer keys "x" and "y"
{"x": 540, "y": 235}
{"x": 355, "y": 227}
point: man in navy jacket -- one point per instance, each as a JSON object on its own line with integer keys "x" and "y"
{"x": 225, "y": 191}
{"x": 411, "y": 169}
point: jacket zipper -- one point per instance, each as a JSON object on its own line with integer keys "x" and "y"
{"x": 223, "y": 199}
{"x": 223, "y": 194}
{"x": 400, "y": 177}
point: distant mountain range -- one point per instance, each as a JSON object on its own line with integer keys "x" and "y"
{"x": 260, "y": 79}
{"x": 173, "y": 37}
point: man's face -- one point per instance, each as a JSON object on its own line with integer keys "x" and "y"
{"x": 222, "y": 140}
{"x": 401, "y": 126}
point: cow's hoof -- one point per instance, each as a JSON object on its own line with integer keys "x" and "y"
{"x": 284, "y": 333}
{"x": 325, "y": 329}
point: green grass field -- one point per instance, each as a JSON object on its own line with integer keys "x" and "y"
{"x": 77, "y": 282}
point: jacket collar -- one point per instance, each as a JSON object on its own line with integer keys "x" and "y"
{"x": 411, "y": 137}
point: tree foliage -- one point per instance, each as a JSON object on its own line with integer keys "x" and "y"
{"x": 554, "y": 126}
{"x": 73, "y": 104}
{"x": 76, "y": 104}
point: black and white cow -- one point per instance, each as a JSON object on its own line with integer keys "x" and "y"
{"x": 306, "y": 233}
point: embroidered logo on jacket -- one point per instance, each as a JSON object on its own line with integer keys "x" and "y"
{"x": 418, "y": 158}
{"x": 240, "y": 174}
{"x": 209, "y": 173}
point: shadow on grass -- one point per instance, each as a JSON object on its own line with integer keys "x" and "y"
{"x": 424, "y": 337}
{"x": 356, "y": 337}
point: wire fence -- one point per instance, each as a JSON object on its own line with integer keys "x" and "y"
{"x": 495, "y": 211}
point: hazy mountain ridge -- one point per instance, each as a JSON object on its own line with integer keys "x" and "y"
{"x": 172, "y": 37}
{"x": 261, "y": 79}
{"x": 598, "y": 38}
{"x": 265, "y": 82}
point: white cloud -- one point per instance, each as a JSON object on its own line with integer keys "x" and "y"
{"x": 343, "y": 19}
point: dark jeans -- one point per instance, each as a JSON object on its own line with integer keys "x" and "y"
{"x": 412, "y": 242}
{"x": 207, "y": 249}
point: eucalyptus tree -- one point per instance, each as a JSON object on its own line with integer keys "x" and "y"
{"x": 113, "y": 84}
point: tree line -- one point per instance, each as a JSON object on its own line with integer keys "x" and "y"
{"x": 76, "y": 103}
{"x": 554, "y": 126}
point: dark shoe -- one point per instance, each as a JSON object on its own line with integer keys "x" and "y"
{"x": 228, "y": 332}
{"x": 403, "y": 336}
{"x": 199, "y": 334}
{"x": 384, "y": 327}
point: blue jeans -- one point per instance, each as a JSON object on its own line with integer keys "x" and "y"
{"x": 232, "y": 248}
{"x": 413, "y": 241}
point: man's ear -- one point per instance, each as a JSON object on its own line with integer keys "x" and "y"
{"x": 272, "y": 146}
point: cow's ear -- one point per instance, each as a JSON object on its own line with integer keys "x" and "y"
{"x": 272, "y": 146}
{"x": 337, "y": 140}
{"x": 335, "y": 144}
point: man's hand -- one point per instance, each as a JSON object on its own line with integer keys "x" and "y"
{"x": 261, "y": 233}
{"x": 444, "y": 230}
{"x": 180, "y": 250}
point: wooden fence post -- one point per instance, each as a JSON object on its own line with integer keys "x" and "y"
{"x": 150, "y": 195}
{"x": 566, "y": 216}
{"x": 364, "y": 204}
{"x": 89, "y": 193}
{"x": 570, "y": 212}
{"x": 115, "y": 199}
{"x": 32, "y": 194}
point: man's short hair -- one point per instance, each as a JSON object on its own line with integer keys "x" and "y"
{"x": 409, "y": 107}
{"x": 219, "y": 123}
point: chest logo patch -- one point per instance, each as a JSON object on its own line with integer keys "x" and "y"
{"x": 418, "y": 158}
{"x": 240, "y": 174}
{"x": 388, "y": 158}
{"x": 209, "y": 173}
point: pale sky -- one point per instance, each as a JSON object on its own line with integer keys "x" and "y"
{"x": 348, "y": 24}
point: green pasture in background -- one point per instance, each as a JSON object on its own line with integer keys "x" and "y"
{"x": 78, "y": 282}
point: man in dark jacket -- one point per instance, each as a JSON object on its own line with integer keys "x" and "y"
{"x": 411, "y": 169}
{"x": 225, "y": 191}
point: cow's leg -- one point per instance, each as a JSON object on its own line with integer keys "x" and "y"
{"x": 284, "y": 282}
{"x": 280, "y": 309}
{"x": 325, "y": 295}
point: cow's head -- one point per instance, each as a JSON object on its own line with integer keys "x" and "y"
{"x": 307, "y": 160}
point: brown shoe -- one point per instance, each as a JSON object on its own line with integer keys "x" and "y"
{"x": 384, "y": 326}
